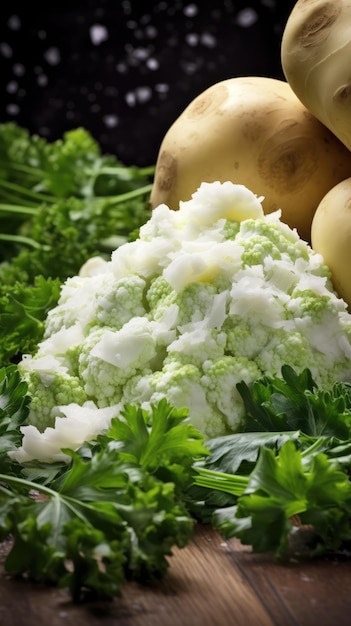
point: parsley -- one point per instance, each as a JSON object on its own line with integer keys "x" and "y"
{"x": 60, "y": 204}
{"x": 287, "y": 474}
{"x": 113, "y": 514}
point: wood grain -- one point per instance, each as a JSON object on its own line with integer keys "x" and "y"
{"x": 211, "y": 582}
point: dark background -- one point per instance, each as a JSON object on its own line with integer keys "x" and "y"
{"x": 126, "y": 70}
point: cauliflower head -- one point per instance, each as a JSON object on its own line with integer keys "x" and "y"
{"x": 207, "y": 296}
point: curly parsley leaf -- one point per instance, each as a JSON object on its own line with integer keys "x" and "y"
{"x": 113, "y": 514}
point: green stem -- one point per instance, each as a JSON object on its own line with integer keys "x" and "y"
{"x": 71, "y": 503}
{"x": 123, "y": 171}
{"x": 229, "y": 483}
{"x": 123, "y": 197}
{"x": 27, "y": 192}
{"x": 16, "y": 208}
{"x": 312, "y": 448}
{"x": 21, "y": 239}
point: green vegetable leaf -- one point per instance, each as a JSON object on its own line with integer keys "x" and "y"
{"x": 113, "y": 514}
{"x": 23, "y": 310}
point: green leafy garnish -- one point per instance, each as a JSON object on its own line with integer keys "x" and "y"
{"x": 292, "y": 473}
{"x": 114, "y": 514}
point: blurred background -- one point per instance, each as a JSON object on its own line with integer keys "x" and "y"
{"x": 126, "y": 70}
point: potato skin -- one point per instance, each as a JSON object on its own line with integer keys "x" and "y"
{"x": 331, "y": 236}
{"x": 253, "y": 131}
{"x": 315, "y": 56}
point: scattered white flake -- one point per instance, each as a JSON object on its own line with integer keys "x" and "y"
{"x": 247, "y": 17}
{"x": 19, "y": 69}
{"x": 98, "y": 34}
{"x": 143, "y": 94}
{"x": 162, "y": 88}
{"x": 6, "y": 50}
{"x": 121, "y": 68}
{"x": 130, "y": 98}
{"x": 12, "y": 109}
{"x": 52, "y": 56}
{"x": 12, "y": 86}
{"x": 192, "y": 39}
{"x": 42, "y": 80}
{"x": 151, "y": 31}
{"x": 190, "y": 10}
{"x": 111, "y": 121}
{"x": 152, "y": 64}
{"x": 208, "y": 40}
{"x": 14, "y": 22}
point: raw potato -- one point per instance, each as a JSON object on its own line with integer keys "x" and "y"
{"x": 331, "y": 236}
{"x": 253, "y": 131}
{"x": 315, "y": 55}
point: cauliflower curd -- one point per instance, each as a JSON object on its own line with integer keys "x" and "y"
{"x": 208, "y": 296}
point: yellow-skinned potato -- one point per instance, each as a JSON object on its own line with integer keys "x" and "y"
{"x": 252, "y": 131}
{"x": 315, "y": 55}
{"x": 331, "y": 236}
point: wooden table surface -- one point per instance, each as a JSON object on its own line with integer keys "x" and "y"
{"x": 211, "y": 582}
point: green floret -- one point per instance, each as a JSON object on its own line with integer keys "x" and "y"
{"x": 108, "y": 359}
{"x": 257, "y": 248}
{"x": 308, "y": 303}
{"x": 159, "y": 296}
{"x": 182, "y": 386}
{"x": 220, "y": 379}
{"x": 195, "y": 302}
{"x": 245, "y": 338}
{"x": 284, "y": 240}
{"x": 48, "y": 392}
{"x": 119, "y": 301}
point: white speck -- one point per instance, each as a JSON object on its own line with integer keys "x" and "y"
{"x": 19, "y": 69}
{"x": 143, "y": 94}
{"x": 152, "y": 64}
{"x": 190, "y": 10}
{"x": 162, "y": 88}
{"x": 98, "y": 34}
{"x": 121, "y": 68}
{"x": 12, "y": 86}
{"x": 190, "y": 68}
{"x": 12, "y": 109}
{"x": 42, "y": 80}
{"x": 208, "y": 40}
{"x": 151, "y": 31}
{"x": 52, "y": 56}
{"x": 111, "y": 121}
{"x": 14, "y": 22}
{"x": 140, "y": 53}
{"x": 130, "y": 98}
{"x": 306, "y": 579}
{"x": 192, "y": 39}
{"x": 247, "y": 17}
{"x": 6, "y": 50}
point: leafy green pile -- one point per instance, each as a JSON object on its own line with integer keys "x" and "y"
{"x": 284, "y": 484}
{"x": 113, "y": 514}
{"x": 60, "y": 203}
